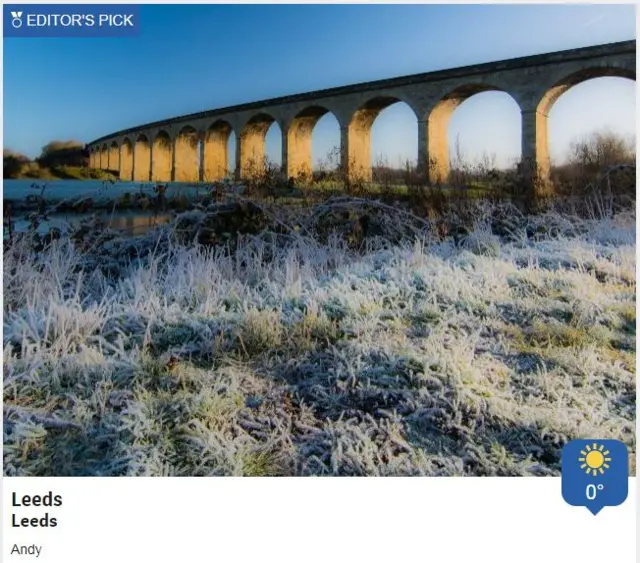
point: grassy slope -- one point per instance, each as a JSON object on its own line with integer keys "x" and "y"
{"x": 423, "y": 359}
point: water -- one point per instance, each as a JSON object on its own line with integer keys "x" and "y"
{"x": 104, "y": 196}
{"x": 57, "y": 190}
{"x": 132, "y": 222}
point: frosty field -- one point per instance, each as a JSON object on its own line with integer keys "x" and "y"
{"x": 302, "y": 355}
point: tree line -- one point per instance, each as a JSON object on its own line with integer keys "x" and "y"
{"x": 55, "y": 154}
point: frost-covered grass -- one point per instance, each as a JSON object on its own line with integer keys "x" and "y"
{"x": 435, "y": 356}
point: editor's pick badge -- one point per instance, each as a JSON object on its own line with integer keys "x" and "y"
{"x": 595, "y": 473}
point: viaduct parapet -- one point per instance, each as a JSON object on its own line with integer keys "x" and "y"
{"x": 192, "y": 148}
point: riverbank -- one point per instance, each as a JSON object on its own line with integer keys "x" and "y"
{"x": 32, "y": 171}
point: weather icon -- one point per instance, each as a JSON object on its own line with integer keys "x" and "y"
{"x": 594, "y": 459}
{"x": 595, "y": 473}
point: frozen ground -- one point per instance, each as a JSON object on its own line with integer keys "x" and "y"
{"x": 481, "y": 357}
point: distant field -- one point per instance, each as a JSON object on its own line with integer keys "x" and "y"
{"x": 433, "y": 356}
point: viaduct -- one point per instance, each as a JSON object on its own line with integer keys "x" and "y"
{"x": 192, "y": 148}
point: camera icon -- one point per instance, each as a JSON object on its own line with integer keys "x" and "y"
{"x": 17, "y": 19}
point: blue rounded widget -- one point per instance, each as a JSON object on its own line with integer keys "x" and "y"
{"x": 595, "y": 473}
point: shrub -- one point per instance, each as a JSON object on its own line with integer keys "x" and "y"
{"x": 63, "y": 153}
{"x": 13, "y": 163}
{"x": 600, "y": 167}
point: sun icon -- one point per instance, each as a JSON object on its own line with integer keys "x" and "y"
{"x": 594, "y": 459}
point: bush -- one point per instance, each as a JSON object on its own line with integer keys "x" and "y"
{"x": 599, "y": 166}
{"x": 63, "y": 153}
{"x": 12, "y": 167}
{"x": 13, "y": 163}
{"x": 602, "y": 150}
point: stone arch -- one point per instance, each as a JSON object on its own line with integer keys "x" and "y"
{"x": 216, "y": 150}
{"x": 325, "y": 145}
{"x": 141, "y": 159}
{"x": 484, "y": 133}
{"x": 356, "y": 148}
{"x": 394, "y": 142}
{"x": 299, "y": 133}
{"x": 535, "y": 145}
{"x": 126, "y": 160}
{"x": 104, "y": 157}
{"x": 162, "y": 158}
{"x": 252, "y": 144}
{"x": 436, "y": 143}
{"x": 114, "y": 157}
{"x": 187, "y": 158}
{"x": 560, "y": 87}
{"x": 274, "y": 146}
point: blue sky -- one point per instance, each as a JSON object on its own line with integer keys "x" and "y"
{"x": 197, "y": 57}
